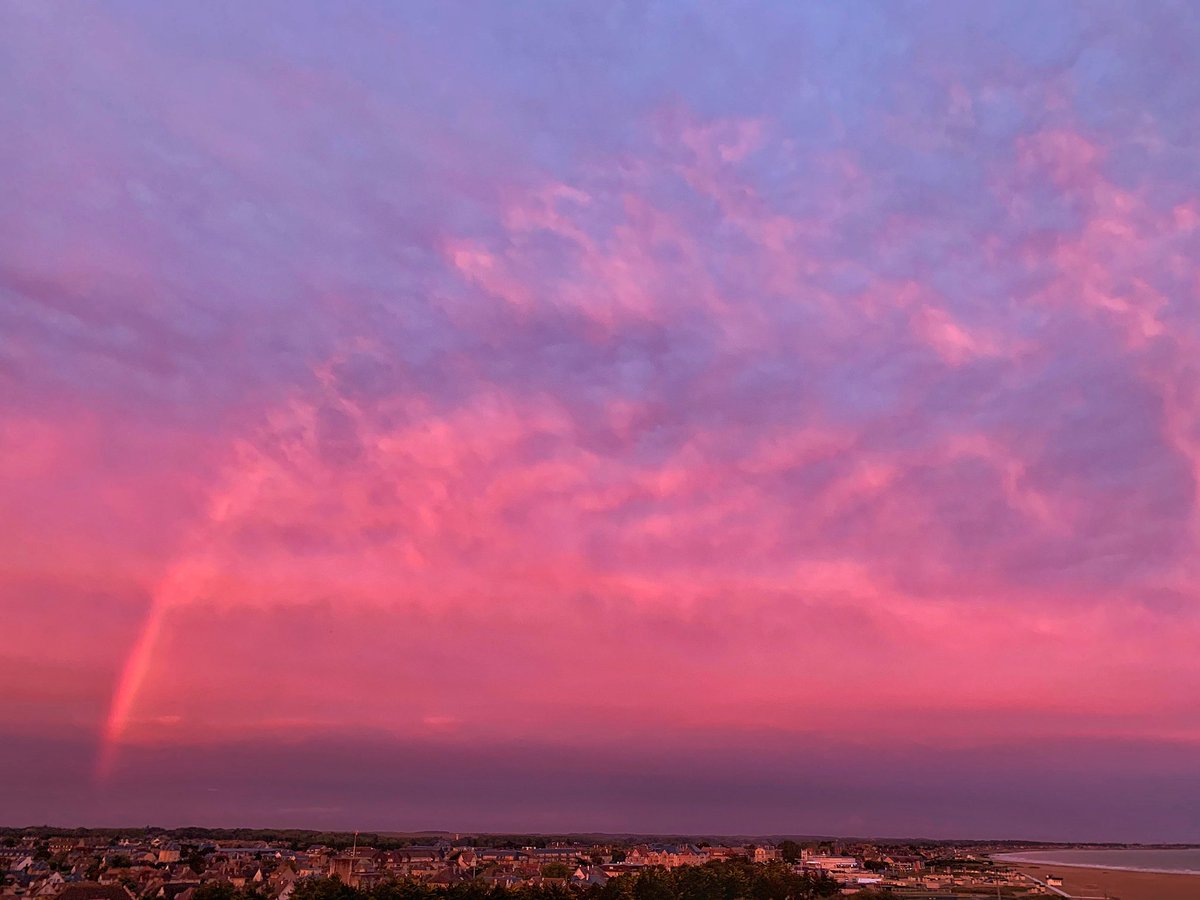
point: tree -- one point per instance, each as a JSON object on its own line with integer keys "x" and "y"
{"x": 215, "y": 890}
{"x": 556, "y": 870}
{"x": 325, "y": 889}
{"x": 789, "y": 851}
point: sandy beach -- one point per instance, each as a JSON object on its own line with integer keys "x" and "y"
{"x": 1117, "y": 884}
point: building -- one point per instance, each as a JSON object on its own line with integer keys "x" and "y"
{"x": 87, "y": 890}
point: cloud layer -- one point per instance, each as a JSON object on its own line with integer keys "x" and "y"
{"x": 641, "y": 380}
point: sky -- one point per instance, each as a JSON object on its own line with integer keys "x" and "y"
{"x": 698, "y": 417}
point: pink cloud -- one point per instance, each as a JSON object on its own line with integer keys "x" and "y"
{"x": 394, "y": 377}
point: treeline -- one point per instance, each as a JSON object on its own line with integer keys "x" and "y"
{"x": 718, "y": 880}
{"x": 296, "y": 838}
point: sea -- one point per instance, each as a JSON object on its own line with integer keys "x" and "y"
{"x": 1133, "y": 859}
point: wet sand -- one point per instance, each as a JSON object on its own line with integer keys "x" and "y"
{"x": 1117, "y": 884}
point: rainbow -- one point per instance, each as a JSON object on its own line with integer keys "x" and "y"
{"x": 182, "y": 582}
{"x": 133, "y": 675}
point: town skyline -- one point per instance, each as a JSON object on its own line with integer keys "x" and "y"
{"x": 247, "y": 864}
{"x": 646, "y": 416}
{"x": 243, "y": 864}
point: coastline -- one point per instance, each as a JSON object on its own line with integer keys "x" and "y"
{"x": 1018, "y": 859}
{"x": 1117, "y": 884}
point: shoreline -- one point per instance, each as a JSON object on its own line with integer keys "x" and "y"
{"x": 1120, "y": 884}
{"x": 1017, "y": 859}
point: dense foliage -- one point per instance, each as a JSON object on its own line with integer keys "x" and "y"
{"x": 725, "y": 880}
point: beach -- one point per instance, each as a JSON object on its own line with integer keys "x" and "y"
{"x": 1117, "y": 883}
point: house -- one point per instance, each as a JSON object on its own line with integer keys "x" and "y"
{"x": 355, "y": 865}
{"x": 283, "y": 876}
{"x": 499, "y": 854}
{"x": 15, "y": 859}
{"x": 445, "y": 877}
{"x": 316, "y": 861}
{"x": 905, "y": 862}
{"x": 51, "y": 885}
{"x": 687, "y": 855}
{"x": 831, "y": 863}
{"x": 88, "y": 890}
{"x": 415, "y": 853}
{"x": 589, "y": 875}
{"x": 544, "y": 855}
{"x": 171, "y": 890}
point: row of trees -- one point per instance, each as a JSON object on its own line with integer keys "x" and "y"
{"x": 721, "y": 880}
{"x": 296, "y": 838}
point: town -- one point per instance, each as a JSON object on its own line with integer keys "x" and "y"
{"x": 209, "y": 864}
